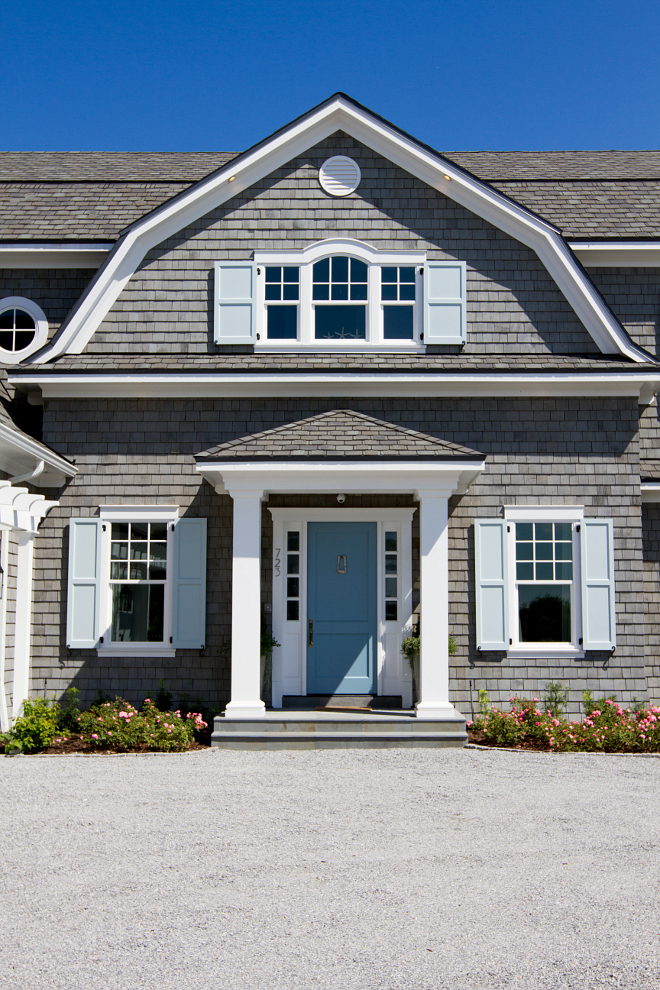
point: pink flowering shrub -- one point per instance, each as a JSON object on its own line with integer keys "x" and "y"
{"x": 117, "y": 725}
{"x": 608, "y": 729}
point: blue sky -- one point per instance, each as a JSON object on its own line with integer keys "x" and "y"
{"x": 185, "y": 75}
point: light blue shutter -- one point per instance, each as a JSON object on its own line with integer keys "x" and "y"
{"x": 492, "y": 598}
{"x": 84, "y": 588}
{"x": 235, "y": 302}
{"x": 189, "y": 606}
{"x": 597, "y": 566}
{"x": 444, "y": 302}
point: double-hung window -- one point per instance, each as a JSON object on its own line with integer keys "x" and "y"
{"x": 340, "y": 294}
{"x": 544, "y": 582}
{"x": 137, "y": 581}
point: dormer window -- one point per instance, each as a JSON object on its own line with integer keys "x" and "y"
{"x": 340, "y": 295}
{"x": 23, "y": 328}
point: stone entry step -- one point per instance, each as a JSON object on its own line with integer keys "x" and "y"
{"x": 313, "y": 701}
{"x": 330, "y": 730}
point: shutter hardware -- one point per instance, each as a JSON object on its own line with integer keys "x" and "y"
{"x": 100, "y": 639}
{"x": 510, "y": 642}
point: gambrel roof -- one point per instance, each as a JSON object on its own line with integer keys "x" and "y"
{"x": 340, "y": 113}
{"x": 338, "y": 435}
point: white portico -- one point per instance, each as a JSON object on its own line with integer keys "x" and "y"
{"x": 340, "y": 452}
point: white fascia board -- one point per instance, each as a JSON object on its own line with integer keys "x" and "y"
{"x": 210, "y": 193}
{"x": 411, "y": 477}
{"x": 20, "y": 453}
{"x": 624, "y": 254}
{"x": 650, "y": 491}
{"x": 139, "y": 513}
{"x": 82, "y": 255}
{"x": 641, "y": 384}
{"x": 544, "y": 513}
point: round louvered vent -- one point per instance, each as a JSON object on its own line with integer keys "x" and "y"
{"x": 340, "y": 176}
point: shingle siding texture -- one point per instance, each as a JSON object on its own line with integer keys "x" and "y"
{"x": 55, "y": 290}
{"x": 513, "y": 304}
{"x": 574, "y": 451}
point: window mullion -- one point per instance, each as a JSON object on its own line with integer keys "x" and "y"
{"x": 374, "y": 308}
{"x": 306, "y": 316}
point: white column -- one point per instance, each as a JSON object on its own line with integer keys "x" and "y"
{"x": 434, "y": 606}
{"x": 4, "y": 566}
{"x": 23, "y": 627}
{"x": 246, "y": 608}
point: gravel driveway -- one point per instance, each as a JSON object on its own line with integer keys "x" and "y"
{"x": 339, "y": 869}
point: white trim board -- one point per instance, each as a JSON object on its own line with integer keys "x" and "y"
{"x": 67, "y": 255}
{"x": 641, "y": 384}
{"x": 341, "y": 113}
{"x": 20, "y": 453}
{"x": 624, "y": 254}
{"x": 650, "y": 491}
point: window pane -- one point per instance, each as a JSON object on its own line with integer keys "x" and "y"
{"x": 158, "y": 531}
{"x": 391, "y": 541}
{"x": 525, "y": 572}
{"x": 524, "y": 531}
{"x": 390, "y": 563}
{"x": 321, "y": 271}
{"x": 290, "y": 291}
{"x": 137, "y": 613}
{"x": 139, "y": 531}
{"x": 157, "y": 551}
{"x": 544, "y": 572}
{"x": 23, "y": 338}
{"x": 157, "y": 571}
{"x": 524, "y": 551}
{"x": 119, "y": 551}
{"x": 390, "y": 587}
{"x": 390, "y": 611}
{"x": 138, "y": 551}
{"x": 339, "y": 292}
{"x": 293, "y": 541}
{"x": 407, "y": 275}
{"x": 340, "y": 323}
{"x": 543, "y": 531}
{"x": 388, "y": 274}
{"x": 358, "y": 271}
{"x": 544, "y": 551}
{"x": 292, "y": 563}
{"x": 273, "y": 293}
{"x": 274, "y": 274}
{"x": 545, "y": 613}
{"x": 7, "y": 320}
{"x": 282, "y": 322}
{"x": 340, "y": 269}
{"x": 118, "y": 571}
{"x": 7, "y": 340}
{"x": 292, "y": 611}
{"x": 563, "y": 551}
{"x": 292, "y": 587}
{"x": 358, "y": 292}
{"x": 290, "y": 274}
{"x": 563, "y": 531}
{"x": 388, "y": 293}
{"x": 138, "y": 572}
{"x": 23, "y": 320}
{"x": 398, "y": 322}
{"x": 564, "y": 571}
{"x": 321, "y": 292}
{"x": 120, "y": 531}
{"x": 407, "y": 293}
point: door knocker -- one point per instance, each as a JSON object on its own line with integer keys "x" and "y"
{"x": 341, "y": 564}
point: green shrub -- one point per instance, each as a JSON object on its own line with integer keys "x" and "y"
{"x": 121, "y": 727}
{"x": 68, "y": 711}
{"x": 555, "y": 699}
{"x": 37, "y": 726}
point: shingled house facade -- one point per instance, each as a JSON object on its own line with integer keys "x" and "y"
{"x": 342, "y": 387}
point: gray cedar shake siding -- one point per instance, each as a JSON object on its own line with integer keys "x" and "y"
{"x": 538, "y": 451}
{"x": 580, "y": 451}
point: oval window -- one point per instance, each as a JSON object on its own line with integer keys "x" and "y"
{"x": 17, "y": 330}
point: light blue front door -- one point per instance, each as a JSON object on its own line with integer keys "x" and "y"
{"x": 341, "y": 608}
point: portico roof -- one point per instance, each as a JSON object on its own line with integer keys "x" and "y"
{"x": 341, "y": 434}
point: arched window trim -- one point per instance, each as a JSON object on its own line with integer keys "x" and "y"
{"x": 305, "y": 260}
{"x": 41, "y": 328}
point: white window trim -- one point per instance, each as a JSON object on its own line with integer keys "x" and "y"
{"x": 290, "y": 660}
{"x": 135, "y": 513}
{"x": 304, "y": 260}
{"x": 545, "y": 513}
{"x": 40, "y": 324}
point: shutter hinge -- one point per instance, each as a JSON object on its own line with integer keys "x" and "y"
{"x": 580, "y": 641}
{"x": 100, "y": 639}
{"x": 421, "y": 336}
{"x": 172, "y": 525}
{"x": 577, "y": 528}
{"x": 258, "y": 336}
{"x": 421, "y": 271}
{"x": 104, "y": 527}
{"x": 508, "y": 529}
{"x": 258, "y": 271}
{"x": 510, "y": 642}
{"x": 170, "y": 639}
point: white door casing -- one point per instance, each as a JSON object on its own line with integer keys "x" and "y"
{"x": 289, "y": 660}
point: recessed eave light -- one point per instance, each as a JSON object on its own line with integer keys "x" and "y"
{"x": 231, "y": 178}
{"x": 447, "y": 177}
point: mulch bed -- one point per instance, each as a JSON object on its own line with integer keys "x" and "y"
{"x": 479, "y": 739}
{"x": 59, "y": 748}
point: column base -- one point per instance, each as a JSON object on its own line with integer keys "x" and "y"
{"x": 437, "y": 710}
{"x": 239, "y": 709}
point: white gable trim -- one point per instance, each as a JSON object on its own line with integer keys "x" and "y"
{"x": 340, "y": 113}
